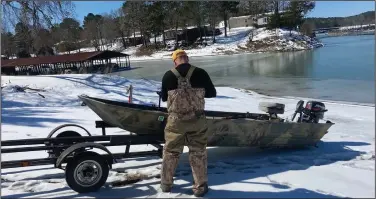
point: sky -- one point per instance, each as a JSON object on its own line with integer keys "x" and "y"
{"x": 322, "y": 9}
{"x": 341, "y": 8}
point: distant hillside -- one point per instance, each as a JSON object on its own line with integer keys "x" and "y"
{"x": 360, "y": 19}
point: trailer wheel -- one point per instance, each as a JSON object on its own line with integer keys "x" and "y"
{"x": 86, "y": 172}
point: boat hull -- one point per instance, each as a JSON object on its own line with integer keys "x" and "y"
{"x": 240, "y": 132}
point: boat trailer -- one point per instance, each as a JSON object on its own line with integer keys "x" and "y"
{"x": 85, "y": 170}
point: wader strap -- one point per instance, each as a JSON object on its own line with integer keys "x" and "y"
{"x": 190, "y": 71}
{"x": 177, "y": 74}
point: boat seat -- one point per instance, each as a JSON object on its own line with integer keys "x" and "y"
{"x": 271, "y": 107}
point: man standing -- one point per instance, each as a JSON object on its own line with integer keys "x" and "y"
{"x": 184, "y": 87}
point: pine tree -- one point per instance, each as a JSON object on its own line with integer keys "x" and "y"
{"x": 296, "y": 11}
{"x": 93, "y": 33}
{"x": 156, "y": 19}
{"x": 23, "y": 40}
{"x": 69, "y": 32}
{"x": 226, "y": 8}
{"x": 8, "y": 47}
{"x": 212, "y": 7}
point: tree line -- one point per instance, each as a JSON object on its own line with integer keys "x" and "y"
{"x": 41, "y": 26}
{"x": 360, "y": 19}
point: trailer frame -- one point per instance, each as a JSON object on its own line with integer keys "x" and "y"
{"x": 74, "y": 150}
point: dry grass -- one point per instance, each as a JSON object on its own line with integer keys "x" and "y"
{"x": 147, "y": 50}
{"x": 130, "y": 179}
{"x": 228, "y": 52}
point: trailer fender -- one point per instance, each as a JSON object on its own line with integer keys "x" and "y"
{"x": 66, "y": 125}
{"x": 77, "y": 147}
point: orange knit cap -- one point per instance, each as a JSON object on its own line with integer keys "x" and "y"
{"x": 178, "y": 53}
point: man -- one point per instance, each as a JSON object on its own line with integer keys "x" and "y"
{"x": 185, "y": 88}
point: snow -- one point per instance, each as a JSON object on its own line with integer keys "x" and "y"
{"x": 236, "y": 42}
{"x": 281, "y": 40}
{"x": 356, "y": 26}
{"x": 341, "y": 166}
{"x": 236, "y": 36}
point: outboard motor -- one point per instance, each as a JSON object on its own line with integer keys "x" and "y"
{"x": 313, "y": 112}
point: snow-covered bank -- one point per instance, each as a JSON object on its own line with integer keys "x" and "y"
{"x": 280, "y": 40}
{"x": 342, "y": 165}
{"x": 237, "y": 41}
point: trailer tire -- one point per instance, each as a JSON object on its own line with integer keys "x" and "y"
{"x": 75, "y": 169}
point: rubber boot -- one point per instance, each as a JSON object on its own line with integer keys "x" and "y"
{"x": 201, "y": 191}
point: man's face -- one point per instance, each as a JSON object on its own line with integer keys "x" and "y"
{"x": 181, "y": 60}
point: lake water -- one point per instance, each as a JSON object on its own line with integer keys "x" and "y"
{"x": 342, "y": 70}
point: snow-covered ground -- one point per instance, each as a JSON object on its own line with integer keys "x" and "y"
{"x": 355, "y": 27}
{"x": 343, "y": 165}
{"x": 236, "y": 42}
{"x": 280, "y": 40}
{"x": 236, "y": 36}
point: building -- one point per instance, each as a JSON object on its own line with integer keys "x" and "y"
{"x": 241, "y": 21}
{"x": 259, "y": 20}
{"x": 262, "y": 21}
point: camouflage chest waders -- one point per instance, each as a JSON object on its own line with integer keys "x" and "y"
{"x": 186, "y": 125}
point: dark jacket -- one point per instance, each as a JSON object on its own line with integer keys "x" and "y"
{"x": 199, "y": 79}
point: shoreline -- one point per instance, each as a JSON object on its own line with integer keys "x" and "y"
{"x": 139, "y": 59}
{"x": 239, "y": 51}
{"x": 338, "y": 102}
{"x": 236, "y": 43}
{"x": 251, "y": 92}
{"x": 150, "y": 58}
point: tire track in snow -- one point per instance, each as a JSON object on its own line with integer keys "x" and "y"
{"x": 291, "y": 162}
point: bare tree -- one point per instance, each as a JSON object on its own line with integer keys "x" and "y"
{"x": 108, "y": 28}
{"x": 37, "y": 13}
{"x": 42, "y": 42}
{"x": 120, "y": 25}
{"x": 212, "y": 8}
{"x": 174, "y": 16}
{"x": 307, "y": 29}
{"x": 254, "y": 7}
{"x": 133, "y": 11}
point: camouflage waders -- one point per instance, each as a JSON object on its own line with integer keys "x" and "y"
{"x": 186, "y": 125}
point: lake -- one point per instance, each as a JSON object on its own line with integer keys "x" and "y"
{"x": 342, "y": 70}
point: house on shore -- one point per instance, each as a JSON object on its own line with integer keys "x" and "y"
{"x": 191, "y": 34}
{"x": 241, "y": 21}
{"x": 259, "y": 20}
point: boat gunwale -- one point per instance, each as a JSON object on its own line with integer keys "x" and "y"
{"x": 215, "y": 115}
{"x": 219, "y": 114}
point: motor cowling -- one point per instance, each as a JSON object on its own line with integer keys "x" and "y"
{"x": 313, "y": 112}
